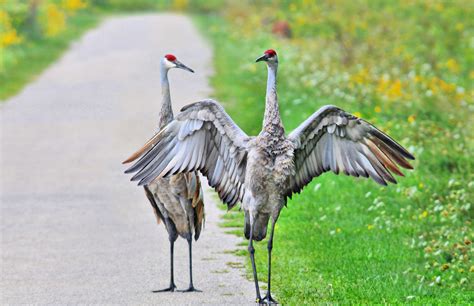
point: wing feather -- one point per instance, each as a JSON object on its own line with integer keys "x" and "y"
{"x": 201, "y": 138}
{"x": 334, "y": 140}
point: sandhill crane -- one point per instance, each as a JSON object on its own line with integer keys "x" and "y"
{"x": 176, "y": 200}
{"x": 263, "y": 171}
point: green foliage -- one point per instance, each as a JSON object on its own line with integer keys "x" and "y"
{"x": 21, "y": 63}
{"x": 34, "y": 33}
{"x": 404, "y": 66}
{"x": 129, "y": 6}
{"x": 195, "y": 6}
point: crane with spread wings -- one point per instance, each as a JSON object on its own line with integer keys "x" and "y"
{"x": 263, "y": 171}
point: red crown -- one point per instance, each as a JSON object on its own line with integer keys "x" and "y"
{"x": 170, "y": 57}
{"x": 270, "y": 52}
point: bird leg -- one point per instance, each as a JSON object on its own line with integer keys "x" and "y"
{"x": 172, "y": 286}
{"x": 252, "y": 259}
{"x": 267, "y": 299}
{"x": 191, "y": 286}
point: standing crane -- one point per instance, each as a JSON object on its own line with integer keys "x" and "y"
{"x": 263, "y": 171}
{"x": 177, "y": 200}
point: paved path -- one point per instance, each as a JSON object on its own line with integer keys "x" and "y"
{"x": 74, "y": 229}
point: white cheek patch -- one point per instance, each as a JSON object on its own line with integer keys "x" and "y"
{"x": 168, "y": 64}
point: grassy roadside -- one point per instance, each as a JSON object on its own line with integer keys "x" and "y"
{"x": 36, "y": 55}
{"x": 27, "y": 48}
{"x": 352, "y": 241}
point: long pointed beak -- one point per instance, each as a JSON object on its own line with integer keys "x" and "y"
{"x": 183, "y": 66}
{"x": 262, "y": 58}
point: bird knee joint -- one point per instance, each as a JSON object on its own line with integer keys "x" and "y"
{"x": 251, "y": 249}
{"x": 270, "y": 246}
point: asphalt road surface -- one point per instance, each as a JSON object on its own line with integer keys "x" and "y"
{"x": 73, "y": 228}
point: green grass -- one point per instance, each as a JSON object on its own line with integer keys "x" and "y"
{"x": 34, "y": 56}
{"x": 351, "y": 241}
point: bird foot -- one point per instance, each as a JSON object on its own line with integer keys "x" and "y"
{"x": 190, "y": 289}
{"x": 267, "y": 300}
{"x": 171, "y": 288}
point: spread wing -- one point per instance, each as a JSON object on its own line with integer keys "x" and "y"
{"x": 202, "y": 137}
{"x": 333, "y": 140}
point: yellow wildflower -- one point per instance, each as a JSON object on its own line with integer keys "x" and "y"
{"x": 421, "y": 185}
{"x": 5, "y": 21}
{"x": 447, "y": 87}
{"x": 377, "y": 109}
{"x": 370, "y": 227}
{"x": 411, "y": 119}
{"x": 8, "y": 34}
{"x": 452, "y": 65}
{"x": 459, "y": 27}
{"x": 180, "y": 5}
{"x": 74, "y": 5}
{"x": 357, "y": 114}
{"x": 300, "y": 20}
{"x": 55, "y": 20}
{"x": 395, "y": 90}
{"x": 408, "y": 57}
{"x": 398, "y": 50}
{"x": 338, "y": 230}
{"x": 383, "y": 84}
{"x": 9, "y": 38}
{"x": 361, "y": 77}
{"x": 433, "y": 85}
{"x": 424, "y": 214}
{"x": 459, "y": 96}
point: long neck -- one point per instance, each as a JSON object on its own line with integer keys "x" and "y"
{"x": 272, "y": 121}
{"x": 166, "y": 112}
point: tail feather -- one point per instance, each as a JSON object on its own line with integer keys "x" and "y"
{"x": 198, "y": 205}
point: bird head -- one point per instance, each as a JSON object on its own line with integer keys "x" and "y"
{"x": 170, "y": 61}
{"x": 269, "y": 56}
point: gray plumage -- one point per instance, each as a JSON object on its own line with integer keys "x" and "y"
{"x": 177, "y": 200}
{"x": 262, "y": 172}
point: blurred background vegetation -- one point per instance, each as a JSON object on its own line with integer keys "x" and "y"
{"x": 406, "y": 66}
{"x": 33, "y": 33}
